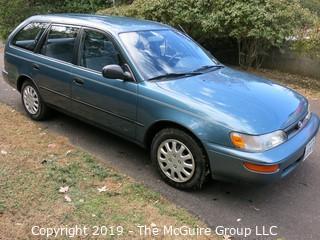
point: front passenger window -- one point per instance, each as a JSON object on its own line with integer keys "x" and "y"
{"x": 98, "y": 51}
{"x": 60, "y": 43}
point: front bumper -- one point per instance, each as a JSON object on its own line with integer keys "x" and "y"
{"x": 227, "y": 163}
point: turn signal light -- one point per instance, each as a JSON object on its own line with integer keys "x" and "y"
{"x": 262, "y": 168}
{"x": 237, "y": 140}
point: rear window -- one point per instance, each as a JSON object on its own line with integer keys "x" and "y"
{"x": 29, "y": 36}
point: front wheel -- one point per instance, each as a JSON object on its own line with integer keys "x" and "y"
{"x": 180, "y": 160}
{"x": 32, "y": 102}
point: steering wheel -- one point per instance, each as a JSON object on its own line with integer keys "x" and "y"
{"x": 173, "y": 57}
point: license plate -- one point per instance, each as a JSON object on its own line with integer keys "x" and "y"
{"x": 309, "y": 148}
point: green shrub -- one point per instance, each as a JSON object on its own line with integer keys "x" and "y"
{"x": 313, "y": 5}
{"x": 254, "y": 25}
{"x": 15, "y": 11}
{"x": 84, "y": 6}
{"x": 308, "y": 42}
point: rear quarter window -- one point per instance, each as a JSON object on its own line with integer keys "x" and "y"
{"x": 28, "y": 37}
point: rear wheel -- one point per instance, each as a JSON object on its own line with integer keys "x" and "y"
{"x": 180, "y": 160}
{"x": 32, "y": 102}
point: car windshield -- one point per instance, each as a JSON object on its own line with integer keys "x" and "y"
{"x": 165, "y": 53}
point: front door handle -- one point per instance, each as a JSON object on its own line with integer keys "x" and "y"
{"x": 35, "y": 66}
{"x": 78, "y": 81}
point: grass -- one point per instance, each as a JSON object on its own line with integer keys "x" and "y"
{"x": 35, "y": 164}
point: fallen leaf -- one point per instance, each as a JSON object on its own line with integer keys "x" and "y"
{"x": 67, "y": 198}
{"x": 52, "y": 145}
{"x": 255, "y": 208}
{"x": 3, "y": 152}
{"x": 64, "y": 189}
{"x": 103, "y": 189}
{"x": 68, "y": 152}
{"x": 44, "y": 161}
{"x": 227, "y": 237}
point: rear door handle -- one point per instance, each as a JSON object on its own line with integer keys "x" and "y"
{"x": 78, "y": 81}
{"x": 35, "y": 66}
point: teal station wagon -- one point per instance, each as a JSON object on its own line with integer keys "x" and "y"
{"x": 155, "y": 86}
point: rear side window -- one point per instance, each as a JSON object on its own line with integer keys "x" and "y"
{"x": 29, "y": 36}
{"x": 60, "y": 43}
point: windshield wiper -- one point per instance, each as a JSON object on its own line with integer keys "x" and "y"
{"x": 173, "y": 75}
{"x": 193, "y": 73}
{"x": 207, "y": 67}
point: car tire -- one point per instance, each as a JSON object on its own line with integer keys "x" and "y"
{"x": 32, "y": 102}
{"x": 179, "y": 159}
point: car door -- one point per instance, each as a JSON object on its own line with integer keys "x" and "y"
{"x": 110, "y": 103}
{"x": 53, "y": 65}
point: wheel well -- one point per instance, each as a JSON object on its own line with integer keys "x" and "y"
{"x": 21, "y": 80}
{"x": 157, "y": 127}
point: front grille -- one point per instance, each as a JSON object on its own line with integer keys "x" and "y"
{"x": 297, "y": 126}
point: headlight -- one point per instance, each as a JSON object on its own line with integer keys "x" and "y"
{"x": 258, "y": 143}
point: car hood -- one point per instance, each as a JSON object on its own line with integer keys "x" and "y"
{"x": 237, "y": 100}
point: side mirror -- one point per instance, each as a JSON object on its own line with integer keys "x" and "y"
{"x": 116, "y": 72}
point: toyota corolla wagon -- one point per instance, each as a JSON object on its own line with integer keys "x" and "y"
{"x": 155, "y": 86}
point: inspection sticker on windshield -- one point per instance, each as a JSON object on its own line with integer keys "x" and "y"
{"x": 309, "y": 148}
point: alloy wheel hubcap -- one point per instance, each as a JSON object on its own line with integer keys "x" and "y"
{"x": 176, "y": 160}
{"x": 31, "y": 100}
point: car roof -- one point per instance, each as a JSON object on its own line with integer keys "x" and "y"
{"x": 115, "y": 24}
